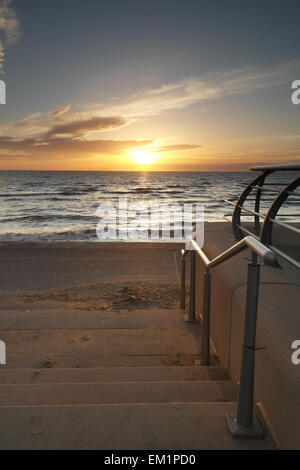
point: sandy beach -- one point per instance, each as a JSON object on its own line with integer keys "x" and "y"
{"x": 35, "y": 266}
{"x": 90, "y": 276}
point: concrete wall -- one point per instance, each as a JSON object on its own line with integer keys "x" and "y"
{"x": 277, "y": 380}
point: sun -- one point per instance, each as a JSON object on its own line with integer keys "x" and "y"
{"x": 142, "y": 157}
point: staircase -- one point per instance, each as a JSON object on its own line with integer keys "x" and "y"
{"x": 92, "y": 380}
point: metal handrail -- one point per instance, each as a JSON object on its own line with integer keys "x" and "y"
{"x": 267, "y": 255}
{"x": 244, "y": 424}
{"x": 264, "y": 223}
{"x": 257, "y": 248}
{"x": 267, "y": 168}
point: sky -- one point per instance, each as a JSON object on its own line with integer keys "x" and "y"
{"x": 174, "y": 85}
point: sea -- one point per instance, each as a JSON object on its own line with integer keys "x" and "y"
{"x": 64, "y": 205}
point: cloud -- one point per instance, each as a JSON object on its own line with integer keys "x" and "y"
{"x": 111, "y": 115}
{"x": 59, "y": 111}
{"x": 80, "y": 131}
{"x": 64, "y": 148}
{"x": 186, "y": 92}
{"x": 75, "y": 125}
{"x": 39, "y": 136}
{"x": 68, "y": 139}
{"x": 8, "y": 154}
{"x": 85, "y": 127}
{"x": 177, "y": 148}
{"x": 9, "y": 28}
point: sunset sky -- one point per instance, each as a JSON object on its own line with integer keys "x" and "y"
{"x": 162, "y": 84}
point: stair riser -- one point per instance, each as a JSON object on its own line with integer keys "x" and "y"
{"x": 117, "y": 392}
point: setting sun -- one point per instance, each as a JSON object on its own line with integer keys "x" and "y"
{"x": 142, "y": 157}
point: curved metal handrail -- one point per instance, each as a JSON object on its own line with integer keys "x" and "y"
{"x": 269, "y": 220}
{"x": 263, "y": 231}
{"x": 236, "y": 216}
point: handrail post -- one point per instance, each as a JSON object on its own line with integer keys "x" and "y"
{"x": 182, "y": 296}
{"x": 192, "y": 307}
{"x": 205, "y": 346}
{"x": 245, "y": 424}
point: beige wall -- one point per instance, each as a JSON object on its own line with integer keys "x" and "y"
{"x": 277, "y": 381}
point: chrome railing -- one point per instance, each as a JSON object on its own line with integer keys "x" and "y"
{"x": 260, "y": 242}
{"x": 245, "y": 423}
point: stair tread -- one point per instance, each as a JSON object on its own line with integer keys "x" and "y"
{"x": 148, "y": 341}
{"x": 137, "y": 426}
{"x": 102, "y": 374}
{"x": 41, "y": 317}
{"x": 62, "y": 360}
{"x": 116, "y": 392}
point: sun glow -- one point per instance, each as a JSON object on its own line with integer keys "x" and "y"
{"x": 142, "y": 157}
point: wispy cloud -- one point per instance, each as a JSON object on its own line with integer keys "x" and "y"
{"x": 186, "y": 92}
{"x": 9, "y": 28}
{"x": 88, "y": 119}
{"x": 86, "y": 127}
{"x": 64, "y": 148}
{"x": 79, "y": 126}
{"x": 37, "y": 136}
{"x": 171, "y": 148}
{"x": 60, "y": 111}
{"x": 80, "y": 131}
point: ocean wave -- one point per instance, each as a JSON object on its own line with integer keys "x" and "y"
{"x": 71, "y": 192}
{"x": 85, "y": 235}
{"x": 135, "y": 191}
{"x": 152, "y": 191}
{"x": 40, "y": 218}
{"x": 66, "y": 235}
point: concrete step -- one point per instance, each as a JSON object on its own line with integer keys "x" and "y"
{"x": 130, "y": 427}
{"x": 116, "y": 392}
{"x": 112, "y": 374}
{"x": 54, "y": 361}
{"x": 102, "y": 342}
{"x": 53, "y": 316}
